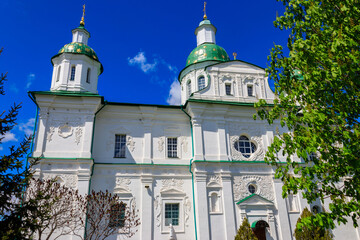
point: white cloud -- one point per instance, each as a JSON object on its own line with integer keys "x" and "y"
{"x": 14, "y": 88}
{"x": 27, "y": 127}
{"x": 1, "y": 148}
{"x": 30, "y": 80}
{"x": 141, "y": 61}
{"x": 8, "y": 137}
{"x": 174, "y": 93}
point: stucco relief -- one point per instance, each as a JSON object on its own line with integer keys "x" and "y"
{"x": 130, "y": 143}
{"x": 65, "y": 128}
{"x": 213, "y": 180}
{"x": 264, "y": 186}
{"x": 184, "y": 144}
{"x": 161, "y": 143}
{"x": 225, "y": 77}
{"x": 187, "y": 208}
{"x": 172, "y": 183}
{"x": 158, "y": 207}
{"x": 122, "y": 184}
{"x": 68, "y": 180}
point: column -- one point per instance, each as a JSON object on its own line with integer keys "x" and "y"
{"x": 201, "y": 205}
{"x": 229, "y": 211}
{"x": 283, "y": 217}
{"x": 146, "y": 210}
{"x": 198, "y": 139}
{"x": 222, "y": 140}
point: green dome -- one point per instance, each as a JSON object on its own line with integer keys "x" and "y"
{"x": 80, "y": 48}
{"x": 207, "y": 52}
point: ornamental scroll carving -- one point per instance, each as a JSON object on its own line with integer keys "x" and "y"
{"x": 264, "y": 186}
{"x": 213, "y": 180}
{"x": 130, "y": 143}
{"x": 68, "y": 180}
{"x": 66, "y": 127}
{"x": 122, "y": 184}
{"x": 161, "y": 144}
{"x": 258, "y": 155}
{"x": 158, "y": 210}
{"x": 184, "y": 144}
{"x": 172, "y": 183}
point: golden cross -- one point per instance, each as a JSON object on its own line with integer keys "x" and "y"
{"x": 234, "y": 54}
{"x": 82, "y": 22}
{"x": 205, "y": 17}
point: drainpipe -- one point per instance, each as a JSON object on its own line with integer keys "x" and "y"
{"x": 192, "y": 174}
{"x": 93, "y": 162}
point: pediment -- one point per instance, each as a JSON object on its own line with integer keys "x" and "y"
{"x": 255, "y": 200}
{"x": 172, "y": 192}
{"x": 236, "y": 66}
{"x": 122, "y": 191}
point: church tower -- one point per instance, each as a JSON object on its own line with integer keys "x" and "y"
{"x": 76, "y": 67}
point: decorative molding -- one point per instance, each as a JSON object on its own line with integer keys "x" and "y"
{"x": 187, "y": 208}
{"x": 78, "y": 134}
{"x": 161, "y": 144}
{"x": 68, "y": 180}
{"x": 122, "y": 185}
{"x": 214, "y": 181}
{"x": 65, "y": 131}
{"x": 264, "y": 186}
{"x": 258, "y": 155}
{"x": 50, "y": 134}
{"x": 172, "y": 183}
{"x": 184, "y": 143}
{"x": 158, "y": 208}
{"x": 130, "y": 143}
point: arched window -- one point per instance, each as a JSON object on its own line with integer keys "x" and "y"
{"x": 214, "y": 202}
{"x": 201, "y": 82}
{"x": 188, "y": 85}
{"x": 88, "y": 75}
{"x": 58, "y": 74}
{"x": 72, "y": 74}
{"x": 245, "y": 146}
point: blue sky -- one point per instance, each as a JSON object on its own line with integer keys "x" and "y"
{"x": 143, "y": 45}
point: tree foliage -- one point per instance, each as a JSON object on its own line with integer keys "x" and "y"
{"x": 245, "y": 232}
{"x": 13, "y": 177}
{"x": 315, "y": 233}
{"x": 317, "y": 87}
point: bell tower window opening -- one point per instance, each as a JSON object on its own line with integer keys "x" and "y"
{"x": 72, "y": 73}
{"x": 245, "y": 146}
{"x": 228, "y": 89}
{"x": 250, "y": 90}
{"x": 188, "y": 85}
{"x": 201, "y": 83}
{"x": 58, "y": 74}
{"x": 88, "y": 75}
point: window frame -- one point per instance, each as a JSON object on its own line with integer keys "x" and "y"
{"x": 188, "y": 88}
{"x": 250, "y": 86}
{"x": 119, "y": 148}
{"x": 88, "y": 72}
{"x": 230, "y": 89}
{"x": 171, "y": 213}
{"x": 250, "y": 147}
{"x": 119, "y": 222}
{"x": 202, "y": 78}
{"x": 72, "y": 73}
{"x": 172, "y": 200}
{"x": 167, "y": 147}
{"x": 58, "y": 74}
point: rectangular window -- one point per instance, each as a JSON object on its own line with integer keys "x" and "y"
{"x": 171, "y": 214}
{"x": 120, "y": 145}
{"x": 172, "y": 147}
{"x": 72, "y": 75}
{"x": 250, "y": 91}
{"x": 117, "y": 215}
{"x": 228, "y": 89}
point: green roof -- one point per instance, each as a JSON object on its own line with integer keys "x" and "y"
{"x": 207, "y": 52}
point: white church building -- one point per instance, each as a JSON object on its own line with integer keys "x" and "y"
{"x": 195, "y": 171}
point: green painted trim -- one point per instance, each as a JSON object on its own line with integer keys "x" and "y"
{"x": 192, "y": 174}
{"x": 143, "y": 104}
{"x": 253, "y": 195}
{"x": 236, "y": 61}
{"x": 142, "y": 164}
{"x": 225, "y": 102}
{"x": 66, "y": 93}
{"x": 57, "y": 158}
{"x": 253, "y": 225}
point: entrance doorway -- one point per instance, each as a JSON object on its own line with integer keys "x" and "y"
{"x": 259, "y": 229}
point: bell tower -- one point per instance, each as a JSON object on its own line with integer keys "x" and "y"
{"x": 76, "y": 67}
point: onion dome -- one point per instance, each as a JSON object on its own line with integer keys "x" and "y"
{"x": 79, "y": 48}
{"x": 207, "y": 52}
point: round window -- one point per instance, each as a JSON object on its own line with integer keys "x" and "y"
{"x": 245, "y": 146}
{"x": 252, "y": 188}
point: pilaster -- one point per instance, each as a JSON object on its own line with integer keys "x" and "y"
{"x": 198, "y": 139}
{"x": 201, "y": 203}
{"x": 284, "y": 222}
{"x": 229, "y": 216}
{"x": 147, "y": 224}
